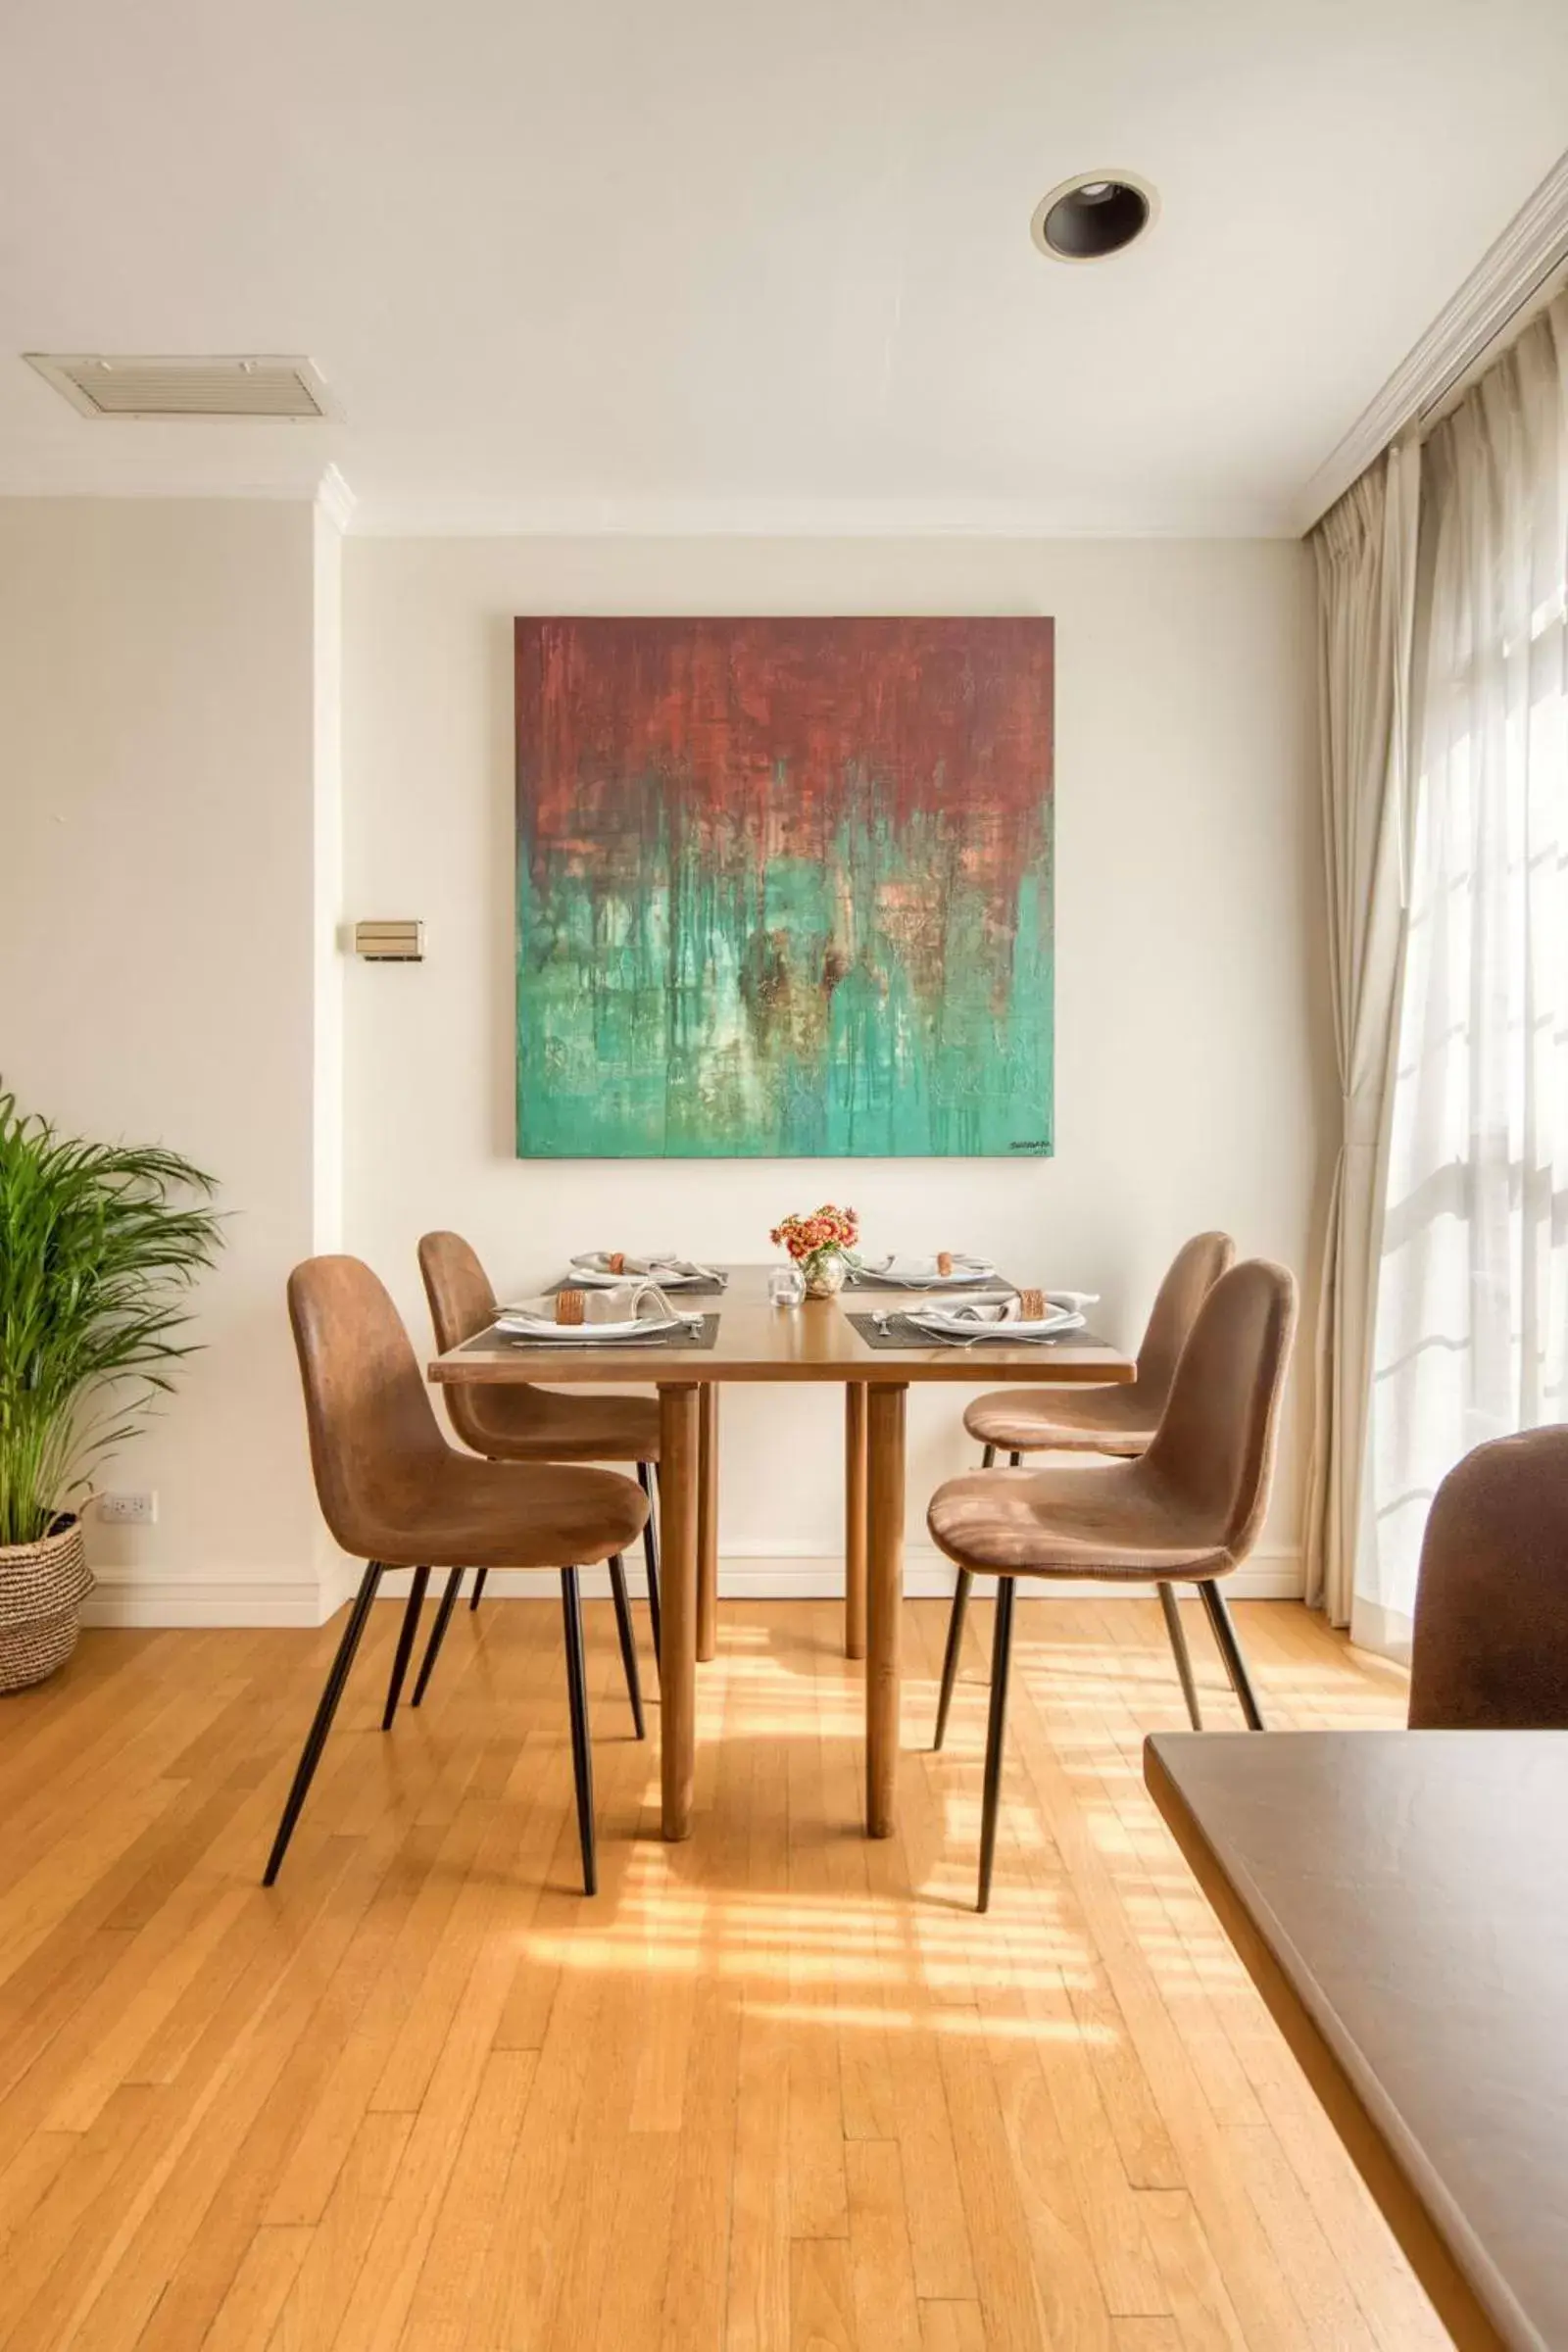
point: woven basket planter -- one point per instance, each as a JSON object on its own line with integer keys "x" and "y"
{"x": 42, "y": 1586}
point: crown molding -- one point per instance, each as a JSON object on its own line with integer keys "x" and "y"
{"x": 327, "y": 490}
{"x": 308, "y": 489}
{"x": 336, "y": 499}
{"x": 1533, "y": 246}
{"x": 500, "y": 516}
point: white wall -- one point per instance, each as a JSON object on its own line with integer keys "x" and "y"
{"x": 169, "y": 896}
{"x": 1194, "y": 1073}
{"x": 166, "y": 735}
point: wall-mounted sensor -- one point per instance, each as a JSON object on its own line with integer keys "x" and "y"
{"x": 389, "y": 943}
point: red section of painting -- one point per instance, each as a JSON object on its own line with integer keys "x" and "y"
{"x": 928, "y": 710}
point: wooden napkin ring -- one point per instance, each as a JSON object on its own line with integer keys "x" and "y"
{"x": 617, "y": 1264}
{"x": 1032, "y": 1306}
{"x": 571, "y": 1307}
{"x": 943, "y": 1263}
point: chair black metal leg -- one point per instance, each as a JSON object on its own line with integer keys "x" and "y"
{"x": 651, "y": 1553}
{"x": 582, "y": 1762}
{"x": 961, "y": 1603}
{"x": 950, "y": 1656}
{"x": 1230, "y": 1649}
{"x": 438, "y": 1631}
{"x": 479, "y": 1576}
{"x": 628, "y": 1641}
{"x": 405, "y": 1648}
{"x": 327, "y": 1708}
{"x": 995, "y": 1734}
{"x": 1179, "y": 1650}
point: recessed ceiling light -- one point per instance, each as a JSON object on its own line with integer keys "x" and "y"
{"x": 1092, "y": 215}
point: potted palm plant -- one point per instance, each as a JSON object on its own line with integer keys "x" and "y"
{"x": 99, "y": 1244}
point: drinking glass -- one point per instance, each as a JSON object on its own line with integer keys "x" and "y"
{"x": 786, "y": 1286}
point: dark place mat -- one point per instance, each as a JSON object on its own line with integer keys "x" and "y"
{"x": 902, "y": 1333}
{"x": 677, "y": 1289}
{"x": 872, "y": 1285}
{"x": 682, "y": 1336}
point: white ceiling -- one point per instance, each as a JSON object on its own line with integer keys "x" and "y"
{"x": 715, "y": 264}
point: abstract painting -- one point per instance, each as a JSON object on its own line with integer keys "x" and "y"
{"x": 784, "y": 888}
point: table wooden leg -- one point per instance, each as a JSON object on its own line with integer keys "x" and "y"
{"x": 708, "y": 1521}
{"x": 680, "y": 1446}
{"x": 853, "y": 1519}
{"x": 884, "y": 1601}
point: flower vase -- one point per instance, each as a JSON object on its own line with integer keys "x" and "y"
{"x": 824, "y": 1271}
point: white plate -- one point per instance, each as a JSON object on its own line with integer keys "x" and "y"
{"x": 594, "y": 1278}
{"x": 964, "y": 1327}
{"x": 920, "y": 1273}
{"x": 528, "y": 1327}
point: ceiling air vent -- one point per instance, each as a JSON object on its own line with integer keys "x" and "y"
{"x": 103, "y": 384}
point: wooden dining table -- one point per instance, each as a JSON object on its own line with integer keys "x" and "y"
{"x": 755, "y": 1342}
{"x": 1400, "y": 1900}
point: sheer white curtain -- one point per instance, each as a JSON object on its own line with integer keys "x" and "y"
{"x": 1472, "y": 1316}
{"x": 1365, "y": 551}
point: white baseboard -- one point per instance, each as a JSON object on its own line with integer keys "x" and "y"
{"x": 127, "y": 1596}
{"x": 809, "y": 1575}
{"x": 928, "y": 1575}
{"x": 139, "y": 1596}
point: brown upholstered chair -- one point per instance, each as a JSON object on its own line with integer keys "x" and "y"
{"x": 1117, "y": 1420}
{"x": 520, "y": 1423}
{"x": 397, "y": 1495}
{"x": 1186, "y": 1510}
{"x": 1489, "y": 1650}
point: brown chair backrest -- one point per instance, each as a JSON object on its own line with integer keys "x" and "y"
{"x": 458, "y": 1288}
{"x": 462, "y": 1303}
{"x": 1489, "y": 1649}
{"x": 374, "y": 1440}
{"x": 1192, "y": 1273}
{"x": 1214, "y": 1447}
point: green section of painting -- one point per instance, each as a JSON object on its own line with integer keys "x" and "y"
{"x": 776, "y": 1012}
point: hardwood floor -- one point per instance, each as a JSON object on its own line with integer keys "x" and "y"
{"x": 777, "y": 2087}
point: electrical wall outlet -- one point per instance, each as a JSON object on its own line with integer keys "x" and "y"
{"x": 127, "y": 1510}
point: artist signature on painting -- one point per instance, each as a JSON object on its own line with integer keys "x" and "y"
{"x": 1036, "y": 1143}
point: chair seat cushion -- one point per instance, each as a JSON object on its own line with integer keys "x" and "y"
{"x": 463, "y": 1513}
{"x": 552, "y": 1425}
{"x": 1108, "y": 1420}
{"x": 1110, "y": 1520}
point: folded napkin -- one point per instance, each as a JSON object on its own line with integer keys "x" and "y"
{"x": 1028, "y": 1315}
{"x": 989, "y": 1308}
{"x": 639, "y": 1301}
{"x": 1057, "y": 1307}
{"x": 944, "y": 1266}
{"x": 983, "y": 1313}
{"x": 649, "y": 1261}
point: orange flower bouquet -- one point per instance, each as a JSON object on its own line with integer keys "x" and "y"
{"x": 822, "y": 1246}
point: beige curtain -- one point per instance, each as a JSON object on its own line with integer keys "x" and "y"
{"x": 1365, "y": 550}
{"x": 1472, "y": 1321}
